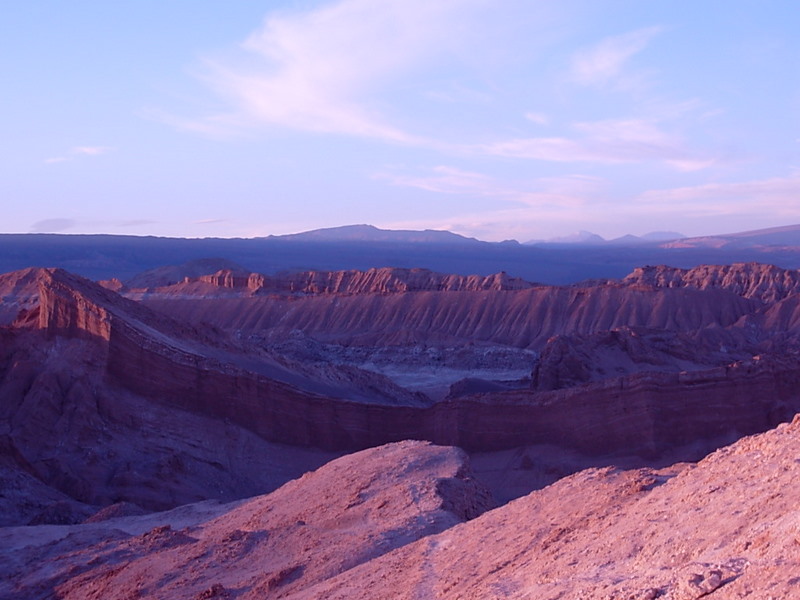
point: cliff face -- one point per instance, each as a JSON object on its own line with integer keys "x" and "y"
{"x": 766, "y": 283}
{"x": 73, "y": 438}
{"x": 372, "y": 281}
{"x": 65, "y": 310}
{"x": 95, "y": 363}
{"x": 523, "y": 318}
{"x": 643, "y": 412}
{"x": 638, "y": 411}
{"x": 18, "y": 291}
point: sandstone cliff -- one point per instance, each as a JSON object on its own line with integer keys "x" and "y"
{"x": 386, "y": 280}
{"x": 751, "y": 280}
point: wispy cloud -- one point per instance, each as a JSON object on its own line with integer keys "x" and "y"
{"x": 543, "y": 205}
{"x": 318, "y": 70}
{"x": 779, "y": 196}
{"x": 605, "y": 63}
{"x": 77, "y": 151}
{"x": 612, "y": 141}
{"x": 449, "y": 180}
{"x": 91, "y": 150}
{"x": 537, "y": 117}
{"x": 569, "y": 190}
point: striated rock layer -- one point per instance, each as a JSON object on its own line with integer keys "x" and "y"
{"x": 644, "y": 412}
{"x": 104, "y": 400}
{"x": 767, "y": 283}
{"x": 523, "y": 318}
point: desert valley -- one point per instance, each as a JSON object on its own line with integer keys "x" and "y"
{"x": 218, "y": 427}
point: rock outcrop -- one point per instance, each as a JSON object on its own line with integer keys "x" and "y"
{"x": 407, "y": 521}
{"x": 347, "y": 513}
{"x": 84, "y": 363}
{"x": 19, "y": 291}
{"x": 386, "y": 280}
{"x": 766, "y": 283}
{"x": 726, "y": 528}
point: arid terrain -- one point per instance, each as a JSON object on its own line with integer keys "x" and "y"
{"x": 201, "y": 430}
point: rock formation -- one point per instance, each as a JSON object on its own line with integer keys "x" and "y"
{"x": 408, "y": 521}
{"x": 750, "y": 280}
{"x": 227, "y": 384}
{"x": 725, "y": 528}
{"x": 345, "y": 514}
{"x": 171, "y": 364}
{"x": 522, "y": 318}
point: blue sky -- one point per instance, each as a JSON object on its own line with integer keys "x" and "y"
{"x": 515, "y": 119}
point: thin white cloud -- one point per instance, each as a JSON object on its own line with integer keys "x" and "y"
{"x": 612, "y": 141}
{"x": 91, "y": 150}
{"x": 538, "y": 118}
{"x": 522, "y": 223}
{"x": 570, "y": 190}
{"x": 779, "y": 196}
{"x": 317, "y": 70}
{"x": 548, "y": 205}
{"x": 449, "y": 180}
{"x": 79, "y": 151}
{"x": 605, "y": 62}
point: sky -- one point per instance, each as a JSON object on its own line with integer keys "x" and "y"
{"x": 502, "y": 119}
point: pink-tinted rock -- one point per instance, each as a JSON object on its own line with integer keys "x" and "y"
{"x": 751, "y": 280}
{"x": 349, "y": 512}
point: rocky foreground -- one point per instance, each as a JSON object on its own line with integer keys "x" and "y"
{"x": 408, "y": 520}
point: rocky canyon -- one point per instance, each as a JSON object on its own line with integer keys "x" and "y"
{"x": 201, "y": 430}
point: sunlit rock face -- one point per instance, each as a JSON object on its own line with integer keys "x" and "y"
{"x": 724, "y": 528}
{"x": 346, "y": 513}
{"x": 408, "y": 520}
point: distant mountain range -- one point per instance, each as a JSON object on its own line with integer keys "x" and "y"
{"x": 362, "y": 247}
{"x": 370, "y": 233}
{"x": 785, "y": 236}
{"x": 587, "y": 238}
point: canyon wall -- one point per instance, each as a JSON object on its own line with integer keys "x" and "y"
{"x": 522, "y": 318}
{"x": 643, "y": 412}
{"x": 767, "y": 283}
{"x": 385, "y": 280}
